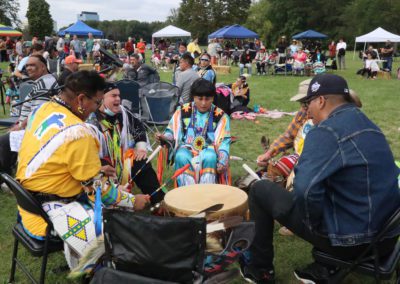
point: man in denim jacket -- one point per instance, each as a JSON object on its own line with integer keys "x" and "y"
{"x": 344, "y": 190}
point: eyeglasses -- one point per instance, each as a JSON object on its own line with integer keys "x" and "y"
{"x": 204, "y": 59}
{"x": 306, "y": 104}
{"x": 98, "y": 102}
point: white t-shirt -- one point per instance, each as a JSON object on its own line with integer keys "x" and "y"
{"x": 341, "y": 45}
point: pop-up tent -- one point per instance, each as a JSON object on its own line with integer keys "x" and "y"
{"x": 310, "y": 34}
{"x": 169, "y": 31}
{"x": 212, "y": 35}
{"x": 234, "y": 31}
{"x": 80, "y": 29}
{"x": 7, "y": 31}
{"x": 377, "y": 35}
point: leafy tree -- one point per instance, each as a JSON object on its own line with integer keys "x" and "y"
{"x": 172, "y": 18}
{"x": 201, "y": 17}
{"x": 39, "y": 18}
{"x": 9, "y": 12}
{"x": 257, "y": 20}
{"x": 362, "y": 16}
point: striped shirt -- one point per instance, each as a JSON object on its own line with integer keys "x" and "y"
{"x": 41, "y": 86}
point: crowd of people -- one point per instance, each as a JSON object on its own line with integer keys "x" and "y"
{"x": 80, "y": 146}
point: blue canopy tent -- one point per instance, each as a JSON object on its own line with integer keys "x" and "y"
{"x": 80, "y": 29}
{"x": 310, "y": 34}
{"x": 212, "y": 35}
{"x": 234, "y": 31}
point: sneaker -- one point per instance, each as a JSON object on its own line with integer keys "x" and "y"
{"x": 315, "y": 273}
{"x": 258, "y": 276}
{"x": 258, "y": 73}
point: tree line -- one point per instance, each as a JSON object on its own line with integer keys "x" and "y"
{"x": 274, "y": 18}
{"x": 269, "y": 18}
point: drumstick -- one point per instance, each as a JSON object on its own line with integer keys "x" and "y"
{"x": 177, "y": 173}
{"x": 250, "y": 171}
{"x": 212, "y": 208}
{"x": 237, "y": 158}
{"x": 155, "y": 152}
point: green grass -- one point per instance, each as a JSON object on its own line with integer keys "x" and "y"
{"x": 380, "y": 100}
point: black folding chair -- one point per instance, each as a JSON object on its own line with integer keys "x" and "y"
{"x": 129, "y": 90}
{"x": 368, "y": 262}
{"x": 155, "y": 249}
{"x": 36, "y": 247}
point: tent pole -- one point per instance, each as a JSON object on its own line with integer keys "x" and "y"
{"x": 152, "y": 44}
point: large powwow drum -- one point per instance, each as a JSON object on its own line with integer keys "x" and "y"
{"x": 189, "y": 200}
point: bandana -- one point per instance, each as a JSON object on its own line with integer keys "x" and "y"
{"x": 109, "y": 87}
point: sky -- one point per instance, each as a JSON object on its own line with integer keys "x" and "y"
{"x": 65, "y": 12}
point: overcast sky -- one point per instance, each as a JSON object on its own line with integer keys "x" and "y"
{"x": 65, "y": 12}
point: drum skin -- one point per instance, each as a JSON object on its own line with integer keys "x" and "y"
{"x": 188, "y": 200}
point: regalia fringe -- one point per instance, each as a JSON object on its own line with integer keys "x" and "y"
{"x": 68, "y": 134}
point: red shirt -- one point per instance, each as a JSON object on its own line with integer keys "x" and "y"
{"x": 128, "y": 46}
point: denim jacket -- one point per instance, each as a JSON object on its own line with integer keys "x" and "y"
{"x": 346, "y": 178}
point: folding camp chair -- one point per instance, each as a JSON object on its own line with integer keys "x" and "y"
{"x": 285, "y": 68}
{"x": 369, "y": 262}
{"x": 35, "y": 247}
{"x": 54, "y": 66}
{"x": 129, "y": 90}
{"x": 149, "y": 247}
{"x": 24, "y": 89}
{"x": 142, "y": 248}
{"x": 330, "y": 64}
{"x": 159, "y": 102}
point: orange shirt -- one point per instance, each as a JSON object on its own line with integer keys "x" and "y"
{"x": 141, "y": 46}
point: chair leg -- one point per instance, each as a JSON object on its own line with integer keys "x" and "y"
{"x": 14, "y": 262}
{"x": 44, "y": 260}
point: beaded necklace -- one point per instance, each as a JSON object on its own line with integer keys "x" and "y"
{"x": 200, "y": 133}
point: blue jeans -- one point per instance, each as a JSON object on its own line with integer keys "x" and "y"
{"x": 242, "y": 66}
{"x": 388, "y": 63}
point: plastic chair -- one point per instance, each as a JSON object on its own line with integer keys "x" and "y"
{"x": 367, "y": 263}
{"x": 35, "y": 247}
{"x": 129, "y": 90}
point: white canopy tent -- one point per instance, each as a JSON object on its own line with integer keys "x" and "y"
{"x": 377, "y": 35}
{"x": 169, "y": 31}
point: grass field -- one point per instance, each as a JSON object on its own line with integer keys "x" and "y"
{"x": 380, "y": 100}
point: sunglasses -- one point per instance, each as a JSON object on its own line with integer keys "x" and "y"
{"x": 204, "y": 59}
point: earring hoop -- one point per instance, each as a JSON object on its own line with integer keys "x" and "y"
{"x": 80, "y": 109}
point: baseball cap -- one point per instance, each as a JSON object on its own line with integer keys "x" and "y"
{"x": 302, "y": 91}
{"x": 72, "y": 59}
{"x": 326, "y": 84}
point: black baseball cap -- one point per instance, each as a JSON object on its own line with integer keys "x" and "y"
{"x": 326, "y": 84}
